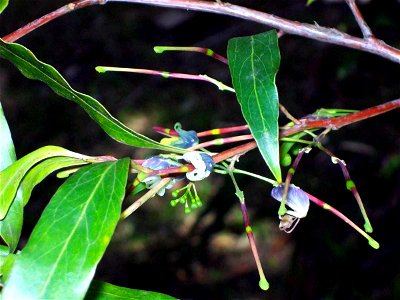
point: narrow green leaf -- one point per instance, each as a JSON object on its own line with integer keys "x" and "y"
{"x": 32, "y": 68}
{"x": 61, "y": 256}
{"x": 11, "y": 225}
{"x": 11, "y": 177}
{"x": 253, "y": 62}
{"x": 105, "y": 291}
{"x": 3, "y": 5}
{"x": 44, "y": 169}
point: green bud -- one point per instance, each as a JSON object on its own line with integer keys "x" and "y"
{"x": 374, "y": 244}
{"x": 264, "y": 285}
{"x": 286, "y": 160}
{"x": 173, "y": 203}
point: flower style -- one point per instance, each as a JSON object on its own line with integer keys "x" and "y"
{"x": 159, "y": 163}
{"x": 185, "y": 138}
{"x": 297, "y": 200}
{"x": 203, "y": 165}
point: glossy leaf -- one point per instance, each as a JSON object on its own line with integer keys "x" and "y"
{"x": 11, "y": 177}
{"x": 42, "y": 170}
{"x": 7, "y": 265}
{"x": 11, "y": 225}
{"x": 32, "y": 68}
{"x": 7, "y": 151}
{"x": 3, "y": 5}
{"x": 253, "y": 62}
{"x": 63, "y": 251}
{"x": 104, "y": 291}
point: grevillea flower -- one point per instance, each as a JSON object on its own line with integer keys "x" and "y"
{"x": 185, "y": 138}
{"x": 203, "y": 165}
{"x": 159, "y": 163}
{"x": 297, "y": 200}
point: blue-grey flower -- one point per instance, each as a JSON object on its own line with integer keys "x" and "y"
{"x": 296, "y": 199}
{"x": 185, "y": 138}
{"x": 159, "y": 163}
{"x": 203, "y": 165}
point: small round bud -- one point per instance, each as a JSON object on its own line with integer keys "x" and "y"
{"x": 286, "y": 160}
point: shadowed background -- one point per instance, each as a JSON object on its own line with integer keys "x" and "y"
{"x": 205, "y": 255}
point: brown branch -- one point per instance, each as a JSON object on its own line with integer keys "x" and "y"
{"x": 314, "y": 32}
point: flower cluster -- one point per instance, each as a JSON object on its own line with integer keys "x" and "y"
{"x": 189, "y": 198}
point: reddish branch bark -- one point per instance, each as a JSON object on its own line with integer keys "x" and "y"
{"x": 315, "y": 32}
{"x": 334, "y": 123}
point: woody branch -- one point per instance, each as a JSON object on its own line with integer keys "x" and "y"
{"x": 315, "y": 32}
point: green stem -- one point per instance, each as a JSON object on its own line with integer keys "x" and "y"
{"x": 239, "y": 171}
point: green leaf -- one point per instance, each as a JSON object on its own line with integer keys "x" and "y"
{"x": 11, "y": 177}
{"x": 32, "y": 68}
{"x": 71, "y": 236}
{"x": 7, "y": 264}
{"x": 7, "y": 151}
{"x": 42, "y": 170}
{"x": 3, "y": 5}
{"x": 309, "y": 2}
{"x": 11, "y": 225}
{"x": 253, "y": 62}
{"x": 104, "y": 291}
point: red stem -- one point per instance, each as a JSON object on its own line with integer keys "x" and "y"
{"x": 338, "y": 122}
{"x": 222, "y": 141}
{"x": 12, "y": 37}
{"x": 334, "y": 123}
{"x": 223, "y": 130}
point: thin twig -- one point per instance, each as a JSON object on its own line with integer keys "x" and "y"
{"x": 288, "y": 114}
{"x": 70, "y": 7}
{"x": 366, "y": 31}
{"x": 315, "y": 32}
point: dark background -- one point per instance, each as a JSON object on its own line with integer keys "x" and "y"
{"x": 205, "y": 255}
